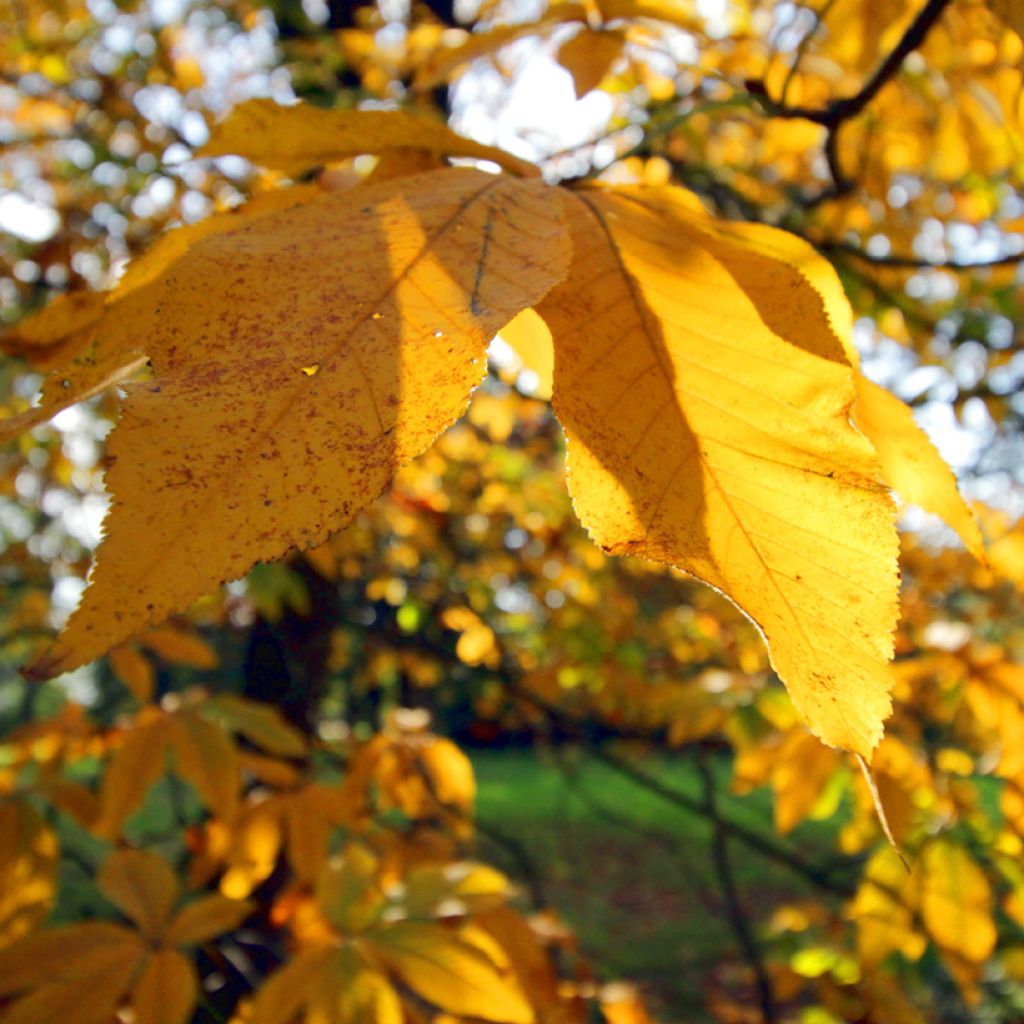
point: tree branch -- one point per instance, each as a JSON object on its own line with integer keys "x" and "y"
{"x": 916, "y": 263}
{"x": 848, "y": 107}
{"x": 837, "y": 113}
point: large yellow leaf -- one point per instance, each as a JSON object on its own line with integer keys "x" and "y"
{"x": 295, "y": 138}
{"x": 451, "y": 973}
{"x": 298, "y": 363}
{"x": 704, "y": 433}
{"x": 908, "y": 460}
{"x": 118, "y": 323}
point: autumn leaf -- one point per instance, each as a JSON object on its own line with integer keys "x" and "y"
{"x": 910, "y": 462}
{"x": 197, "y": 736}
{"x": 588, "y": 57}
{"x": 114, "y": 326}
{"x": 449, "y": 970}
{"x": 529, "y": 337}
{"x": 276, "y": 413}
{"x": 28, "y": 869}
{"x": 295, "y": 138}
{"x": 83, "y": 973}
{"x": 371, "y": 937}
{"x": 703, "y": 435}
{"x": 956, "y": 901}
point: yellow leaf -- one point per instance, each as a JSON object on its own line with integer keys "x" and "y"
{"x": 446, "y": 61}
{"x": 799, "y": 773}
{"x": 255, "y": 844}
{"x": 529, "y": 336}
{"x": 674, "y": 12}
{"x": 400, "y": 163}
{"x": 588, "y": 57}
{"x": 133, "y": 768}
{"x": 451, "y": 774}
{"x": 706, "y": 398}
{"x": 910, "y": 463}
{"x": 310, "y": 816}
{"x": 348, "y": 891}
{"x": 956, "y": 901}
{"x": 451, "y": 973}
{"x": 460, "y": 888}
{"x": 883, "y": 911}
{"x": 292, "y": 139}
{"x": 232, "y": 454}
{"x": 622, "y": 1004}
{"x": 135, "y": 670}
{"x": 179, "y": 647}
{"x": 261, "y": 724}
{"x": 28, "y": 869}
{"x": 166, "y": 990}
{"x": 75, "y": 975}
{"x": 119, "y": 322}
{"x": 206, "y": 918}
{"x": 70, "y": 315}
{"x": 283, "y": 995}
{"x": 357, "y": 993}
{"x": 205, "y": 756}
{"x": 142, "y": 885}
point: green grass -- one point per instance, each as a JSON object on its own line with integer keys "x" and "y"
{"x": 631, "y": 873}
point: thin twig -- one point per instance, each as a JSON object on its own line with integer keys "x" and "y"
{"x": 767, "y": 848}
{"x": 733, "y": 908}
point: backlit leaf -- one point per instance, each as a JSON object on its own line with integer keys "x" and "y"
{"x": 529, "y": 336}
{"x": 451, "y": 973}
{"x": 117, "y": 324}
{"x": 701, "y": 435}
{"x": 233, "y": 453}
{"x": 588, "y": 57}
{"x": 295, "y": 138}
{"x": 911, "y": 465}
